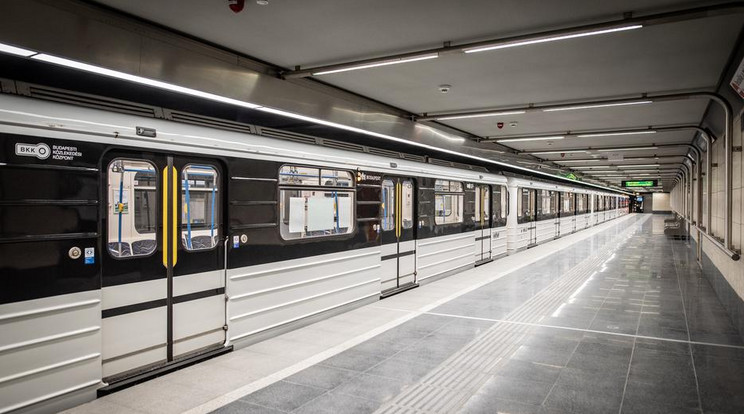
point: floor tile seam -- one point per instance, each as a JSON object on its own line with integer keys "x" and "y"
{"x": 242, "y": 401}
{"x": 537, "y": 325}
{"x": 689, "y": 337}
{"x": 568, "y": 280}
{"x": 630, "y": 362}
{"x": 234, "y": 395}
{"x": 552, "y": 387}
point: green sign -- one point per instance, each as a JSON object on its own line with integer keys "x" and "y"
{"x": 646, "y": 183}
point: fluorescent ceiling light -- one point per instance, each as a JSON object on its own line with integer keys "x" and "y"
{"x": 16, "y": 50}
{"x": 571, "y": 108}
{"x": 376, "y": 64}
{"x": 638, "y": 165}
{"x": 558, "y": 152}
{"x": 627, "y": 149}
{"x": 551, "y": 39}
{"x": 483, "y": 115}
{"x": 615, "y": 134}
{"x": 531, "y": 139}
{"x": 193, "y": 92}
{"x": 567, "y": 161}
{"x": 578, "y": 167}
{"x": 138, "y": 79}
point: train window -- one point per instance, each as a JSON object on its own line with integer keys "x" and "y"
{"x": 448, "y": 202}
{"x": 547, "y": 204}
{"x": 315, "y": 212}
{"x": 407, "y": 200}
{"x": 525, "y": 205}
{"x": 131, "y": 228}
{"x": 388, "y": 205}
{"x": 568, "y": 208}
{"x": 500, "y": 205}
{"x": 295, "y": 175}
{"x": 200, "y": 195}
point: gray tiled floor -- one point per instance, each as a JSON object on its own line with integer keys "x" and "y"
{"x": 622, "y": 322}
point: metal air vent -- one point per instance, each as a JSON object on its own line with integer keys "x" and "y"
{"x": 90, "y": 101}
{"x": 342, "y": 145}
{"x": 384, "y": 153}
{"x": 285, "y": 135}
{"x": 206, "y": 121}
{"x": 442, "y": 163}
{"x": 411, "y": 157}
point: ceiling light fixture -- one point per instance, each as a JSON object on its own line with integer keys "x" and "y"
{"x": 571, "y": 108}
{"x": 558, "y": 152}
{"x": 571, "y": 161}
{"x": 616, "y": 134}
{"x": 627, "y": 149}
{"x": 551, "y": 39}
{"x": 138, "y": 79}
{"x": 447, "y": 118}
{"x": 531, "y": 139}
{"x": 13, "y": 50}
{"x": 376, "y": 64}
{"x": 638, "y": 165}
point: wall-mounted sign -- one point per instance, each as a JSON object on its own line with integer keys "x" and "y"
{"x": 640, "y": 183}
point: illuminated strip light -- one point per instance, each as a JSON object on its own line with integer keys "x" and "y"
{"x": 530, "y": 139}
{"x": 627, "y": 149}
{"x": 571, "y": 108}
{"x": 138, "y": 79}
{"x": 552, "y": 39}
{"x": 638, "y": 165}
{"x": 447, "y": 118}
{"x": 578, "y": 161}
{"x": 374, "y": 65}
{"x": 193, "y": 92}
{"x": 13, "y": 50}
{"x": 615, "y": 134}
{"x": 558, "y": 152}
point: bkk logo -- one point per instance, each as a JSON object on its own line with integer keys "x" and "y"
{"x": 40, "y": 151}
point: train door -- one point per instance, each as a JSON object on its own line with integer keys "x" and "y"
{"x": 163, "y": 273}
{"x": 532, "y": 229}
{"x": 398, "y": 243}
{"x": 482, "y": 224}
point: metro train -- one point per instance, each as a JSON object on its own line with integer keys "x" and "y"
{"x": 130, "y": 244}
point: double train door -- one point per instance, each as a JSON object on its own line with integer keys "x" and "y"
{"x": 482, "y": 224}
{"x": 398, "y": 243}
{"x": 163, "y": 261}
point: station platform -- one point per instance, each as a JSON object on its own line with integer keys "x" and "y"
{"x": 617, "y": 318}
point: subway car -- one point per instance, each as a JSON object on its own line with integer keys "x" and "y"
{"x": 131, "y": 245}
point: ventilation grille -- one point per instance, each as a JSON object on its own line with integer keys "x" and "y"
{"x": 383, "y": 152}
{"x": 439, "y": 162}
{"x": 193, "y": 119}
{"x": 415, "y": 158}
{"x": 285, "y": 135}
{"x": 90, "y": 101}
{"x": 342, "y": 145}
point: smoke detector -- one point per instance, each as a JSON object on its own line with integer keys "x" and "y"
{"x": 445, "y": 88}
{"x": 262, "y": 2}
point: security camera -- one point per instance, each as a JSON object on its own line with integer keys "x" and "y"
{"x": 444, "y": 88}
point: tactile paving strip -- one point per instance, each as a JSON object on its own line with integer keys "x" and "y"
{"x": 452, "y": 383}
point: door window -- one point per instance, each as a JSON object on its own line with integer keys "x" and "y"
{"x": 388, "y": 205}
{"x": 200, "y": 195}
{"x": 407, "y": 200}
{"x": 132, "y": 208}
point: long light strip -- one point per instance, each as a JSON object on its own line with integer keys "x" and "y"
{"x": 447, "y": 118}
{"x": 374, "y": 65}
{"x": 627, "y": 149}
{"x": 193, "y": 92}
{"x": 552, "y": 39}
{"x": 531, "y": 139}
{"x": 615, "y": 134}
{"x": 638, "y": 165}
{"x": 557, "y": 152}
{"x": 579, "y": 161}
{"x": 138, "y": 79}
{"x": 13, "y": 50}
{"x": 571, "y": 108}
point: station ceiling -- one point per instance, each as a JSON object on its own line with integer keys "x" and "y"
{"x": 688, "y": 55}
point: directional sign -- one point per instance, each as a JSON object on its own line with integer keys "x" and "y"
{"x": 643, "y": 183}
